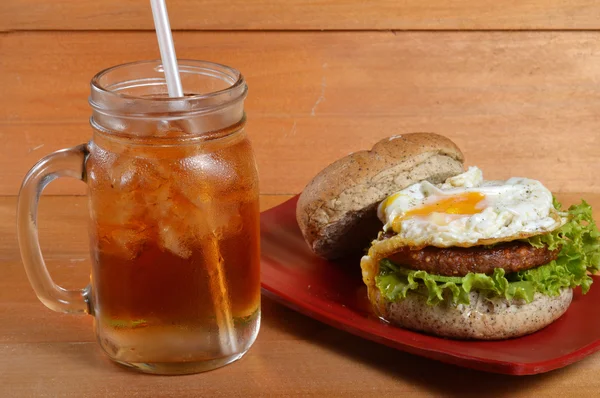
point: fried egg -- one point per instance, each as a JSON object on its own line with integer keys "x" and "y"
{"x": 466, "y": 211}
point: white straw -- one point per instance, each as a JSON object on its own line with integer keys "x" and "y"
{"x": 167, "y": 49}
{"x": 217, "y": 282}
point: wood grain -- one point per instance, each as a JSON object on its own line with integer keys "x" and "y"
{"x": 43, "y": 353}
{"x": 290, "y": 151}
{"x": 326, "y": 78}
{"x": 303, "y": 14}
{"x": 429, "y": 75}
{"x": 517, "y": 103}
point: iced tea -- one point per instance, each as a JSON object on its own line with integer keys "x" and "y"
{"x": 175, "y": 243}
{"x": 174, "y": 219}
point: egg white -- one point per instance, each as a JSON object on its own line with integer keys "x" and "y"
{"x": 503, "y": 211}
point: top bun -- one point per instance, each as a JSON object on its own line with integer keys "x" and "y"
{"x": 337, "y": 211}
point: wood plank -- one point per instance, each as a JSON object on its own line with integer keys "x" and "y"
{"x": 48, "y": 354}
{"x": 369, "y": 74}
{"x": 322, "y": 363}
{"x": 290, "y": 150}
{"x": 303, "y": 14}
{"x": 518, "y": 103}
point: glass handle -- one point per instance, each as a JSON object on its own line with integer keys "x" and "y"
{"x": 63, "y": 163}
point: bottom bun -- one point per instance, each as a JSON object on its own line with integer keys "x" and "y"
{"x": 483, "y": 318}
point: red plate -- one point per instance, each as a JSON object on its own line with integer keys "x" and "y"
{"x": 334, "y": 294}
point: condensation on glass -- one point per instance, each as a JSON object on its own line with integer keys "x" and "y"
{"x": 174, "y": 219}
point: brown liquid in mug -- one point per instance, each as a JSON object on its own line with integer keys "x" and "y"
{"x": 172, "y": 227}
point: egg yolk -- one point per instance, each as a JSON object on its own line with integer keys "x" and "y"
{"x": 390, "y": 199}
{"x": 465, "y": 203}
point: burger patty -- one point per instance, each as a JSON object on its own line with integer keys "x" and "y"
{"x": 459, "y": 261}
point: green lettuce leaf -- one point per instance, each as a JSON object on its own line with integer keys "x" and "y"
{"x": 579, "y": 240}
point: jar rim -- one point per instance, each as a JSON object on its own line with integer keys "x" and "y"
{"x": 108, "y": 96}
{"x": 234, "y": 75}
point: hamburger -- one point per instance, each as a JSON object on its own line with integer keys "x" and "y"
{"x": 450, "y": 253}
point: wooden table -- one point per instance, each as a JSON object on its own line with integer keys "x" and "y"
{"x": 514, "y": 84}
{"x": 43, "y": 353}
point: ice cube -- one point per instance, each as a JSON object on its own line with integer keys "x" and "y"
{"x": 122, "y": 242}
{"x": 172, "y": 240}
